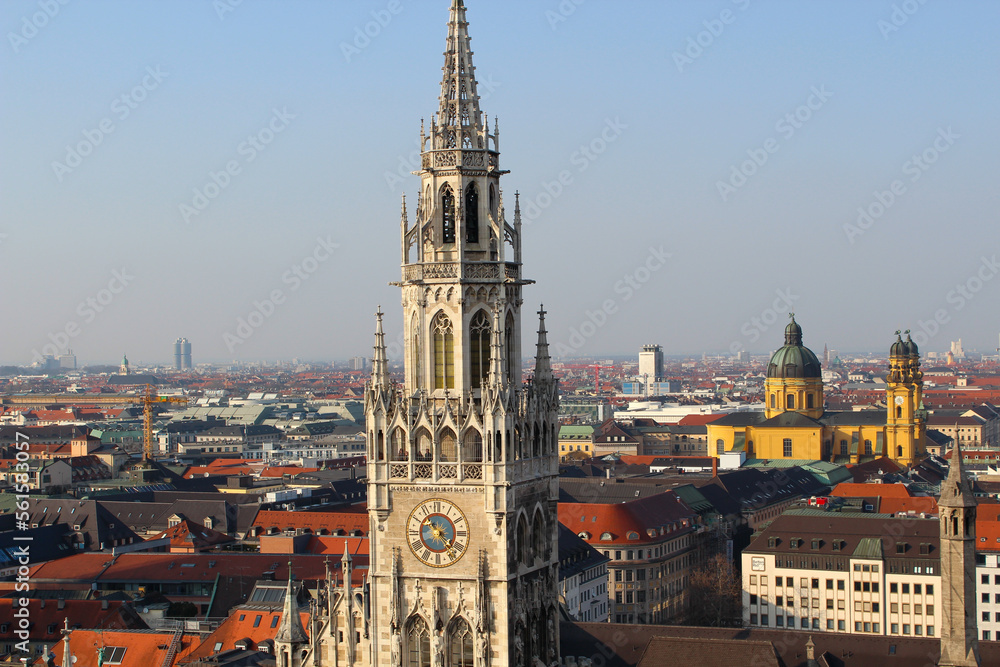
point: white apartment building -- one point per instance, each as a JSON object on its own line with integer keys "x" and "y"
{"x": 845, "y": 572}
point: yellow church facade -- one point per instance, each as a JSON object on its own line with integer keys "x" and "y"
{"x": 795, "y": 425}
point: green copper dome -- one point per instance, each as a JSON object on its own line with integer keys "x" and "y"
{"x": 793, "y": 360}
{"x": 899, "y": 348}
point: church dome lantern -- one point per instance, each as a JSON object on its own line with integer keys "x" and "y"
{"x": 793, "y": 359}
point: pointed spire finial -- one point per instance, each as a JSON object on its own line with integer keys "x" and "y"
{"x": 290, "y": 631}
{"x": 380, "y": 362}
{"x": 543, "y": 366}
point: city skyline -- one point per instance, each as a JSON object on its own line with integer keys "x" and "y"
{"x": 209, "y": 127}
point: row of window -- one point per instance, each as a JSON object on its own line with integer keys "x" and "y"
{"x": 841, "y": 625}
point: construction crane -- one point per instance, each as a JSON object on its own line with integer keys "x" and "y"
{"x": 146, "y": 399}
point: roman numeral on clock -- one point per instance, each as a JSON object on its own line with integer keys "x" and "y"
{"x": 417, "y": 545}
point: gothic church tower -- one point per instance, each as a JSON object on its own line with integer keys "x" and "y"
{"x": 957, "y": 508}
{"x": 462, "y": 458}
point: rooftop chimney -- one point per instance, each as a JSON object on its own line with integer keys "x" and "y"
{"x": 715, "y": 466}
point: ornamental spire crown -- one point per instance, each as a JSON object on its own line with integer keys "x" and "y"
{"x": 459, "y": 123}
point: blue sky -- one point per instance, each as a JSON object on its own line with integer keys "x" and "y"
{"x": 714, "y": 158}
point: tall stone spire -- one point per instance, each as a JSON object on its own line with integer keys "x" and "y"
{"x": 459, "y": 111}
{"x": 498, "y": 376}
{"x": 380, "y": 363}
{"x": 957, "y": 505}
{"x": 290, "y": 631}
{"x": 67, "y": 659}
{"x": 543, "y": 366}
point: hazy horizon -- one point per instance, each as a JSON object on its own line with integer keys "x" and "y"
{"x": 689, "y": 173}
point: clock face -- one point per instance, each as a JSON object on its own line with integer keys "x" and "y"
{"x": 900, "y": 400}
{"x": 437, "y": 533}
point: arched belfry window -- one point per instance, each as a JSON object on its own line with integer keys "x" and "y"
{"x": 479, "y": 348}
{"x": 493, "y": 200}
{"x": 447, "y": 215}
{"x": 472, "y": 214}
{"x": 790, "y": 401}
{"x": 444, "y": 352}
{"x": 418, "y": 644}
{"x": 460, "y": 639}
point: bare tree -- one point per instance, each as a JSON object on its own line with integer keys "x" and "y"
{"x": 715, "y": 595}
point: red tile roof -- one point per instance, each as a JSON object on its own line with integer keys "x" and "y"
{"x": 639, "y": 522}
{"x": 142, "y": 647}
{"x": 280, "y": 471}
{"x": 317, "y": 522}
{"x": 698, "y": 420}
{"x": 47, "y": 617}
{"x": 854, "y": 490}
{"x": 173, "y": 567}
{"x": 255, "y": 625}
{"x": 190, "y": 536}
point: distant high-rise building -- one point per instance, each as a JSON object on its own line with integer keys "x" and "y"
{"x": 358, "y": 363}
{"x": 182, "y": 354}
{"x": 650, "y": 363}
{"x": 68, "y": 360}
{"x": 956, "y": 349}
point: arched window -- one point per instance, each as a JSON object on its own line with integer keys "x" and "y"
{"x": 447, "y": 215}
{"x": 423, "y": 443}
{"x": 868, "y": 447}
{"x": 415, "y": 350}
{"x": 774, "y": 400}
{"x": 397, "y": 446}
{"x": 460, "y": 640}
{"x": 472, "y": 214}
{"x": 809, "y": 401}
{"x": 899, "y": 451}
{"x": 493, "y": 200}
{"x": 479, "y": 348}
{"x": 538, "y": 535}
{"x": 418, "y": 644}
{"x": 444, "y": 352}
{"x": 381, "y": 445}
{"x": 899, "y": 412}
{"x": 449, "y": 447}
{"x": 509, "y": 346}
{"x": 790, "y": 401}
{"x": 720, "y": 447}
{"x": 472, "y": 447}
